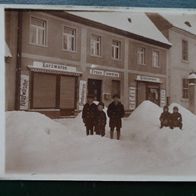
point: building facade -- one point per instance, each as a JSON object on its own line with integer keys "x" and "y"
{"x": 63, "y": 56}
{"x": 180, "y": 31}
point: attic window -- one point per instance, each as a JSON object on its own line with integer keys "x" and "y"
{"x": 188, "y": 23}
{"x": 129, "y": 19}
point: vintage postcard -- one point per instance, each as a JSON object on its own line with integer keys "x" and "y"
{"x": 98, "y": 94}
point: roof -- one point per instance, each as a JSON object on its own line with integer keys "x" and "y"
{"x": 186, "y": 22}
{"x": 131, "y": 22}
{"x": 192, "y": 76}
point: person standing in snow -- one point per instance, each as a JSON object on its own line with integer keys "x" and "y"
{"x": 176, "y": 118}
{"x": 100, "y": 120}
{"x": 165, "y": 117}
{"x": 115, "y": 113}
{"x": 88, "y": 115}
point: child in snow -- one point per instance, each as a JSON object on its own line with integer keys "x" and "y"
{"x": 115, "y": 113}
{"x": 165, "y": 117}
{"x": 176, "y": 118}
{"x": 100, "y": 121}
{"x": 89, "y": 114}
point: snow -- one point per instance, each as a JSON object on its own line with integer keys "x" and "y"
{"x": 36, "y": 144}
{"x": 140, "y": 24}
{"x": 7, "y": 51}
{"x": 192, "y": 76}
{"x": 178, "y": 20}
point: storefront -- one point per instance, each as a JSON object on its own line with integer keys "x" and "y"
{"x": 146, "y": 88}
{"x": 103, "y": 84}
{"x": 52, "y": 89}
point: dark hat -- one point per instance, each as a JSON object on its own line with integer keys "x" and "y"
{"x": 115, "y": 96}
{"x": 175, "y": 108}
{"x": 101, "y": 103}
{"x": 166, "y": 107}
{"x": 90, "y": 96}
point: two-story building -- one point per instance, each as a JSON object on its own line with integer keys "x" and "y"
{"x": 63, "y": 56}
{"x": 180, "y": 30}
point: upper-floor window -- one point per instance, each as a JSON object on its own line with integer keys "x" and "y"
{"x": 185, "y": 88}
{"x": 141, "y": 56}
{"x": 185, "y": 55}
{"x": 155, "y": 59}
{"x": 69, "y": 39}
{"x": 38, "y": 28}
{"x": 95, "y": 45}
{"x": 116, "y": 48}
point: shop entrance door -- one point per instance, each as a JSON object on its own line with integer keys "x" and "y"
{"x": 153, "y": 93}
{"x": 115, "y": 87}
{"x": 94, "y": 88}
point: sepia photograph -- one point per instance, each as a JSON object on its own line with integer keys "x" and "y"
{"x": 100, "y": 92}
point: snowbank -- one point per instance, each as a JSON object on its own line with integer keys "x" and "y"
{"x": 37, "y": 144}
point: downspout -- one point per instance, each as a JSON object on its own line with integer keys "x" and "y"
{"x": 18, "y": 60}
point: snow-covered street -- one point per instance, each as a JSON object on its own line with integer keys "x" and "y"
{"x": 39, "y": 145}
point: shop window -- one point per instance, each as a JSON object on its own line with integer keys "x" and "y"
{"x": 69, "y": 39}
{"x": 185, "y": 88}
{"x": 141, "y": 56}
{"x": 155, "y": 59}
{"x": 95, "y": 45}
{"x": 38, "y": 28}
{"x": 44, "y": 91}
{"x": 116, "y": 48}
{"x": 115, "y": 87}
{"x": 184, "y": 50}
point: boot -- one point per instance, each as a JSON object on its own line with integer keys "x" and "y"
{"x": 118, "y": 135}
{"x": 111, "y": 134}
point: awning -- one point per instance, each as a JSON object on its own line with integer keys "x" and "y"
{"x": 7, "y": 51}
{"x": 41, "y": 70}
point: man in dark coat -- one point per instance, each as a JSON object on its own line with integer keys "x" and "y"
{"x": 115, "y": 113}
{"x": 165, "y": 117}
{"x": 176, "y": 119}
{"x": 88, "y": 115}
{"x": 100, "y": 120}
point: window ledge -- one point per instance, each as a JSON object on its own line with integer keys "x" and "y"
{"x": 37, "y": 45}
{"x": 185, "y": 61}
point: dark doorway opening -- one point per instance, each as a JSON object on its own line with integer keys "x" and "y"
{"x": 94, "y": 88}
{"x": 115, "y": 87}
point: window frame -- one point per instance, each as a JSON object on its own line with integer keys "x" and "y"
{"x": 158, "y": 65}
{"x": 100, "y": 45}
{"x": 74, "y": 36}
{"x": 114, "y": 49}
{"x": 144, "y": 56}
{"x": 182, "y": 50}
{"x": 46, "y": 31}
{"x": 185, "y": 88}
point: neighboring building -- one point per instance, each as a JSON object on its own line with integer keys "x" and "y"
{"x": 62, "y": 56}
{"x": 180, "y": 30}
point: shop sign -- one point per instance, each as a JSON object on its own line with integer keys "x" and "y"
{"x": 97, "y": 72}
{"x": 104, "y": 73}
{"x": 24, "y": 92}
{"x": 82, "y": 92}
{"x": 148, "y": 79}
{"x": 132, "y": 98}
{"x": 163, "y": 97}
{"x": 54, "y": 67}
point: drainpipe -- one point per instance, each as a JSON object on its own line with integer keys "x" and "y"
{"x": 18, "y": 61}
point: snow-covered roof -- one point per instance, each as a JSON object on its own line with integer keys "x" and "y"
{"x": 135, "y": 23}
{"x": 186, "y": 22}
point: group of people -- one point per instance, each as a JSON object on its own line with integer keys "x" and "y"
{"x": 95, "y": 119}
{"x": 171, "y": 120}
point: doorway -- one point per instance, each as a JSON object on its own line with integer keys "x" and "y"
{"x": 115, "y": 87}
{"x": 94, "y": 88}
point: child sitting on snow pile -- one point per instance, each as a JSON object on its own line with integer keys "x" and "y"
{"x": 165, "y": 117}
{"x": 176, "y": 118}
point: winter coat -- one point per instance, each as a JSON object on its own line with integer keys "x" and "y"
{"x": 100, "y": 122}
{"x": 165, "y": 116}
{"x": 176, "y": 119}
{"x": 89, "y": 114}
{"x": 115, "y": 113}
